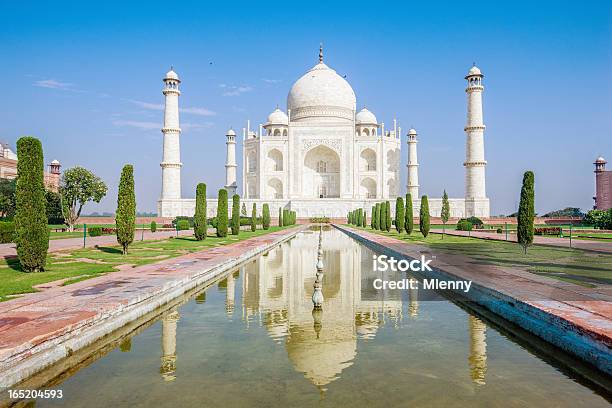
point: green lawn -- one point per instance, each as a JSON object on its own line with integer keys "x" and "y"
{"x": 570, "y": 265}
{"x": 86, "y": 263}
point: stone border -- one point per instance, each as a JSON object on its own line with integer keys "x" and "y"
{"x": 53, "y": 350}
{"x": 566, "y": 335}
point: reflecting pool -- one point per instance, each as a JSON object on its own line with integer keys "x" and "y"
{"x": 253, "y": 339}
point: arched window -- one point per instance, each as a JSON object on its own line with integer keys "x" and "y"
{"x": 321, "y": 166}
{"x": 277, "y": 132}
{"x": 366, "y": 132}
{"x": 285, "y": 132}
{"x": 275, "y": 160}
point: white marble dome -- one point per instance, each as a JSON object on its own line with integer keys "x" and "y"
{"x": 231, "y": 132}
{"x": 365, "y": 117}
{"x": 600, "y": 159}
{"x": 278, "y": 117}
{"x": 172, "y": 75}
{"x": 321, "y": 87}
{"x": 474, "y": 71}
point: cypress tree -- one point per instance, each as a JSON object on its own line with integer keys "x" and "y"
{"x": 265, "y": 217}
{"x": 424, "y": 216}
{"x": 359, "y": 217}
{"x": 125, "y": 217}
{"x": 383, "y": 217}
{"x": 31, "y": 231}
{"x": 235, "y": 214}
{"x": 254, "y": 218}
{"x": 280, "y": 217}
{"x": 372, "y": 217}
{"x": 399, "y": 215}
{"x": 286, "y": 220}
{"x": 348, "y": 217}
{"x": 364, "y": 221}
{"x": 409, "y": 221}
{"x": 388, "y": 215}
{"x": 222, "y": 213}
{"x": 445, "y": 212}
{"x": 200, "y": 223}
{"x": 526, "y": 212}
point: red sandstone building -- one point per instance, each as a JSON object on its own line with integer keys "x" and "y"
{"x": 603, "y": 185}
{"x": 8, "y": 168}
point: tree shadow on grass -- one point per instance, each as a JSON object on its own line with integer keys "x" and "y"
{"x": 13, "y": 263}
{"x": 109, "y": 250}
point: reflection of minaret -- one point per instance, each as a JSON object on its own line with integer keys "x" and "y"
{"x": 229, "y": 294}
{"x": 413, "y": 295}
{"x": 478, "y": 350}
{"x": 168, "y": 366}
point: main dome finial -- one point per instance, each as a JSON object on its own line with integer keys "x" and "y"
{"x": 320, "y": 53}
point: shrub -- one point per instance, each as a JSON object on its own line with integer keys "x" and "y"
{"x": 183, "y": 225}
{"x": 95, "y": 231}
{"x": 222, "y": 213}
{"x": 235, "y": 224}
{"x": 499, "y": 230}
{"x": 31, "y": 231}
{"x": 153, "y": 226}
{"x": 200, "y": 224}
{"x": 319, "y": 220}
{"x": 190, "y": 220}
{"x": 7, "y": 232}
{"x": 254, "y": 218}
{"x": 547, "y": 231}
{"x": 464, "y": 225}
{"x": 424, "y": 216}
{"x": 475, "y": 221}
{"x": 126, "y": 208}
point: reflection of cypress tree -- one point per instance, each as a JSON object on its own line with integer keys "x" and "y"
{"x": 201, "y": 298}
{"x": 126, "y": 345}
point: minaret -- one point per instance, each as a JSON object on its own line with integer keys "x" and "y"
{"x": 475, "y": 193}
{"x": 171, "y": 161}
{"x": 413, "y": 165}
{"x": 602, "y": 198}
{"x": 230, "y": 163}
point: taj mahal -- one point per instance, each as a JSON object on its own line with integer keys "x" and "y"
{"x": 323, "y": 157}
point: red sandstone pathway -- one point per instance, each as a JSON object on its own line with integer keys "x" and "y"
{"x": 28, "y": 322}
{"x": 584, "y": 244}
{"x": 9, "y": 251}
{"x": 588, "y": 308}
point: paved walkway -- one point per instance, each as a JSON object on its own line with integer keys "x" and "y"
{"x": 53, "y": 323}
{"x": 9, "y": 251}
{"x": 588, "y": 310}
{"x": 587, "y": 245}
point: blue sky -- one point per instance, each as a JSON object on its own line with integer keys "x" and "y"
{"x": 86, "y": 79}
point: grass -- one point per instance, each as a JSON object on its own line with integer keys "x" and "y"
{"x": 77, "y": 265}
{"x": 570, "y": 265}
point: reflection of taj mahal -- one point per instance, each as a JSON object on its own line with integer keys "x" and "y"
{"x": 322, "y": 148}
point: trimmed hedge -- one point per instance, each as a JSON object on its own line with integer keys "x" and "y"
{"x": 547, "y": 231}
{"x": 182, "y": 225}
{"x": 464, "y": 225}
{"x": 94, "y": 231}
{"x": 153, "y": 226}
{"x": 7, "y": 232}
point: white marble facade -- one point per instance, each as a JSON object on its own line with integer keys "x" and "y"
{"x": 322, "y": 157}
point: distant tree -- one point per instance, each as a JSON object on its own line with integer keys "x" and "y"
{"x": 598, "y": 219}
{"x": 7, "y": 198}
{"x": 125, "y": 218}
{"x": 31, "y": 232}
{"x": 526, "y": 212}
{"x": 424, "y": 216}
{"x": 409, "y": 215}
{"x": 373, "y": 217}
{"x": 265, "y": 217}
{"x": 364, "y": 221}
{"x": 235, "y": 214}
{"x": 254, "y": 218}
{"x": 445, "y": 212}
{"x": 153, "y": 226}
{"x": 79, "y": 186}
{"x": 222, "y": 213}
{"x": 280, "y": 217}
{"x": 200, "y": 221}
{"x": 54, "y": 207}
{"x": 566, "y": 212}
{"x": 399, "y": 215}
{"x": 387, "y": 216}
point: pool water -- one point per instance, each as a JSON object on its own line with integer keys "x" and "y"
{"x": 253, "y": 339}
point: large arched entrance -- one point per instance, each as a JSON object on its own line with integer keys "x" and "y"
{"x": 321, "y": 176}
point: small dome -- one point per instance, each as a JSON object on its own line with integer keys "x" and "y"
{"x": 55, "y": 162}
{"x": 600, "y": 159}
{"x": 474, "y": 71}
{"x": 171, "y": 75}
{"x": 278, "y": 117}
{"x": 230, "y": 132}
{"x": 412, "y": 132}
{"x": 365, "y": 117}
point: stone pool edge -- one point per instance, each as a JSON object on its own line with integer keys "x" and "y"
{"x": 553, "y": 328}
{"x": 66, "y": 344}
